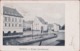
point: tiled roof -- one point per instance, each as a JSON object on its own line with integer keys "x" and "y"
{"x": 11, "y": 12}
{"x": 42, "y": 20}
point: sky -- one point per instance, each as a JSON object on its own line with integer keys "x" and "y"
{"x": 50, "y": 12}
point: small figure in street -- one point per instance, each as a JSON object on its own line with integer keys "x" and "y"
{"x": 41, "y": 29}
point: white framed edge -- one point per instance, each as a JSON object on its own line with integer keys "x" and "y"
{"x": 71, "y": 29}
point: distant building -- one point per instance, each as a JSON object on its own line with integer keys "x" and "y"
{"x": 39, "y": 24}
{"x": 27, "y": 25}
{"x": 50, "y": 26}
{"x": 62, "y": 28}
{"x": 13, "y": 21}
{"x": 56, "y": 27}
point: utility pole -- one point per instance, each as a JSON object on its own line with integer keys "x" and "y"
{"x": 32, "y": 29}
{"x": 41, "y": 35}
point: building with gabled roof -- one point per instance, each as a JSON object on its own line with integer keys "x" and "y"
{"x": 56, "y": 27}
{"x": 12, "y": 21}
{"x": 39, "y": 24}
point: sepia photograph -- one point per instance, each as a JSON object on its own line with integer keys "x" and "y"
{"x": 34, "y": 24}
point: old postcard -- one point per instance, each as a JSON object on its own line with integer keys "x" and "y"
{"x": 39, "y": 26}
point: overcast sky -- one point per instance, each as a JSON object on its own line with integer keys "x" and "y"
{"x": 50, "y": 12}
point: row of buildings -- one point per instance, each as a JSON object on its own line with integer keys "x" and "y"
{"x": 13, "y": 22}
{"x": 40, "y": 24}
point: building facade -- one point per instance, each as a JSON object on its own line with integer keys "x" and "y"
{"x": 12, "y": 21}
{"x": 56, "y": 27}
{"x": 39, "y": 24}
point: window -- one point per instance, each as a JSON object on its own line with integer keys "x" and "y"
{"x": 9, "y": 24}
{"x": 12, "y": 25}
{"x": 19, "y": 25}
{"x": 19, "y": 20}
{"x": 9, "y": 19}
{"x": 15, "y": 19}
{"x": 5, "y": 19}
{"x": 5, "y": 24}
{"x": 15, "y": 25}
{"x": 12, "y": 19}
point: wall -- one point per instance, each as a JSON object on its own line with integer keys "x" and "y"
{"x": 14, "y": 27}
